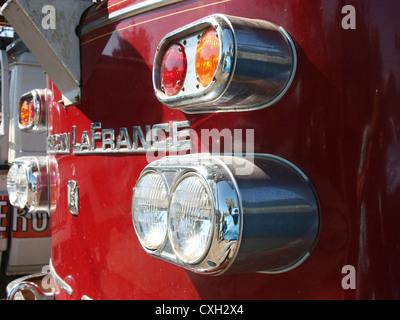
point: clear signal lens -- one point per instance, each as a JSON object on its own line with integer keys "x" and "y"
{"x": 149, "y": 210}
{"x": 191, "y": 219}
{"x": 207, "y": 57}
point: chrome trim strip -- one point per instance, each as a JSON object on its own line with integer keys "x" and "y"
{"x": 63, "y": 285}
{"x": 14, "y": 64}
{"x": 121, "y": 141}
{"x": 32, "y": 287}
{"x": 125, "y": 13}
{"x": 25, "y": 283}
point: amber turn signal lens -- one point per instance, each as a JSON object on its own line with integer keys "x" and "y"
{"x": 26, "y": 113}
{"x": 207, "y": 57}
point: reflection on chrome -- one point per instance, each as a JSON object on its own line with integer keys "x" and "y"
{"x": 265, "y": 221}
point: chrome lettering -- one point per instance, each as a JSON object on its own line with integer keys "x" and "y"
{"x": 59, "y": 143}
{"x": 85, "y": 141}
{"x": 173, "y": 136}
{"x": 138, "y": 134}
{"x": 75, "y": 148}
{"x": 123, "y": 139}
{"x": 108, "y": 137}
{"x": 95, "y": 135}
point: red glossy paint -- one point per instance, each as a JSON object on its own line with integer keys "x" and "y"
{"x": 339, "y": 122}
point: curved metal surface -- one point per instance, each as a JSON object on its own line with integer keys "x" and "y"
{"x": 256, "y": 66}
{"x": 34, "y": 184}
{"x": 266, "y": 220}
{"x": 25, "y": 283}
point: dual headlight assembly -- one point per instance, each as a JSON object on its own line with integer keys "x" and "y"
{"x": 199, "y": 212}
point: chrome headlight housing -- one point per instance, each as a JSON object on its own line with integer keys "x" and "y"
{"x": 27, "y": 184}
{"x": 221, "y": 220}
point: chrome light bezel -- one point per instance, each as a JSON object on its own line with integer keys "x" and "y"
{"x": 273, "y": 224}
{"x": 40, "y": 98}
{"x": 193, "y": 91}
{"x": 257, "y": 66}
{"x": 35, "y": 169}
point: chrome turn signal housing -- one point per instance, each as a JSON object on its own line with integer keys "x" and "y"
{"x": 231, "y": 64}
{"x": 32, "y": 110}
{"x": 217, "y": 214}
{"x": 27, "y": 184}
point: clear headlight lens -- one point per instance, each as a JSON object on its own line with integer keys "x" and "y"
{"x": 22, "y": 186}
{"x": 149, "y": 210}
{"x": 12, "y": 177}
{"x": 18, "y": 185}
{"x": 191, "y": 219}
{"x": 27, "y": 184}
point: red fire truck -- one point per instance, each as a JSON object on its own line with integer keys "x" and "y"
{"x": 215, "y": 149}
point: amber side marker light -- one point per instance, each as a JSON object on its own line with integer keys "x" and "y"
{"x": 32, "y": 110}
{"x": 233, "y": 64}
{"x": 26, "y": 113}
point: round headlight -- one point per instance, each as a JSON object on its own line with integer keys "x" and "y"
{"x": 27, "y": 183}
{"x": 12, "y": 177}
{"x": 22, "y": 186}
{"x": 191, "y": 218}
{"x": 149, "y": 210}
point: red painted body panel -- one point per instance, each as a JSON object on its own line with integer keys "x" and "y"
{"x": 339, "y": 122}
